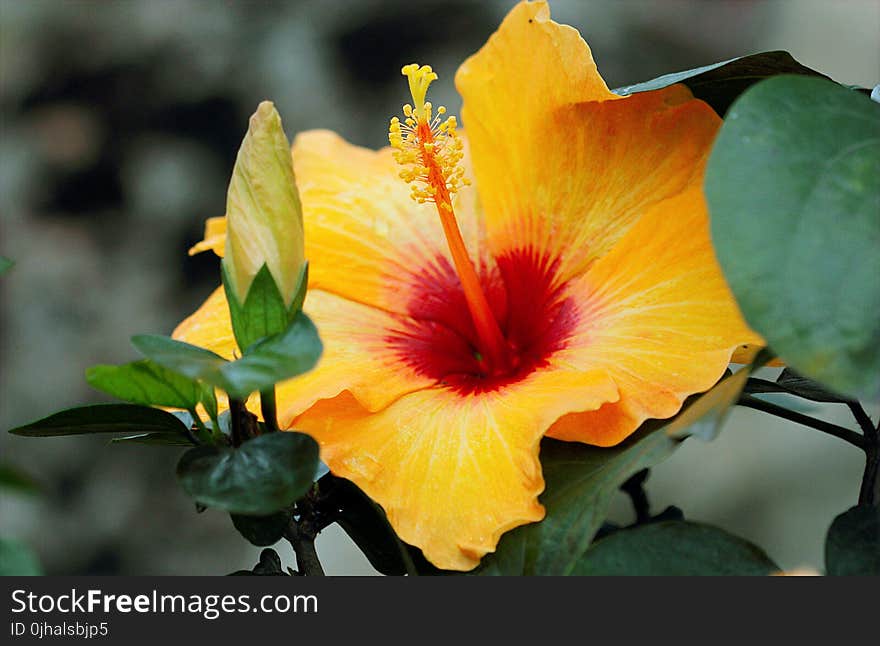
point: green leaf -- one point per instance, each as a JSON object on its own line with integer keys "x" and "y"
{"x": 5, "y": 265}
{"x": 15, "y": 479}
{"x": 258, "y": 478}
{"x": 269, "y": 565}
{"x": 793, "y": 186}
{"x": 261, "y": 530}
{"x": 155, "y": 439}
{"x": 263, "y": 313}
{"x": 852, "y": 547}
{"x": 674, "y": 548}
{"x": 721, "y": 83}
{"x": 103, "y": 418}
{"x": 274, "y": 359}
{"x": 277, "y": 358}
{"x": 146, "y": 382}
{"x": 17, "y": 559}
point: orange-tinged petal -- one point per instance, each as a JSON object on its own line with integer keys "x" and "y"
{"x": 659, "y": 317}
{"x": 563, "y": 164}
{"x": 453, "y": 472}
{"x": 364, "y": 234}
{"x": 215, "y": 237}
{"x": 356, "y": 355}
{"x": 595, "y": 169}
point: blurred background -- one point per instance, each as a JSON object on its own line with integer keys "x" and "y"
{"x": 119, "y": 125}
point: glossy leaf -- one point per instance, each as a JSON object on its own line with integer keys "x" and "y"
{"x": 103, "y": 418}
{"x": 721, "y": 83}
{"x": 274, "y": 359}
{"x": 793, "y": 186}
{"x": 260, "y": 477}
{"x": 674, "y": 548}
{"x": 146, "y": 382}
{"x": 852, "y": 547}
{"x": 155, "y": 439}
{"x": 262, "y": 531}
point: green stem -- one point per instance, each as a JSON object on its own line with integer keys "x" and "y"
{"x": 270, "y": 410}
{"x": 820, "y": 425}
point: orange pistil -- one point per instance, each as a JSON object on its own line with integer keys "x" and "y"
{"x": 430, "y": 152}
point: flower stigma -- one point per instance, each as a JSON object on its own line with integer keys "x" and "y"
{"x": 430, "y": 151}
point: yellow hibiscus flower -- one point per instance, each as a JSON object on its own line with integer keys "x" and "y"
{"x": 592, "y": 299}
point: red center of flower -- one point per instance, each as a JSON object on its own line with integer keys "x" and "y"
{"x": 441, "y": 341}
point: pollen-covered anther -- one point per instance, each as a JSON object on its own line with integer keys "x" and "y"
{"x": 425, "y": 144}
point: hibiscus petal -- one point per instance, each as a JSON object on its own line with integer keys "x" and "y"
{"x": 357, "y": 356}
{"x": 562, "y": 164}
{"x": 659, "y": 317}
{"x": 453, "y": 472}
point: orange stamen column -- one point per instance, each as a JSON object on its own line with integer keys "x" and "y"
{"x": 430, "y": 152}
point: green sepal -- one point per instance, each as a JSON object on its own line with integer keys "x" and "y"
{"x": 262, "y": 476}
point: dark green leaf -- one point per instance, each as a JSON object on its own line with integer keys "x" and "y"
{"x": 274, "y": 359}
{"x": 5, "y": 265}
{"x": 17, "y": 559}
{"x": 148, "y": 383}
{"x": 852, "y": 547}
{"x": 793, "y": 186}
{"x": 269, "y": 565}
{"x": 103, "y": 418}
{"x": 263, "y": 312}
{"x": 674, "y": 548}
{"x": 721, "y": 83}
{"x": 183, "y": 358}
{"x": 262, "y": 530}
{"x": 262, "y": 476}
{"x": 15, "y": 479}
{"x": 156, "y": 439}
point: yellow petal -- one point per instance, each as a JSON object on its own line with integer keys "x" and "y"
{"x": 366, "y": 237}
{"x": 659, "y": 317}
{"x": 215, "y": 237}
{"x": 452, "y": 471}
{"x": 356, "y": 355}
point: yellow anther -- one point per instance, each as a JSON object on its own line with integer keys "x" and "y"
{"x": 427, "y": 147}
